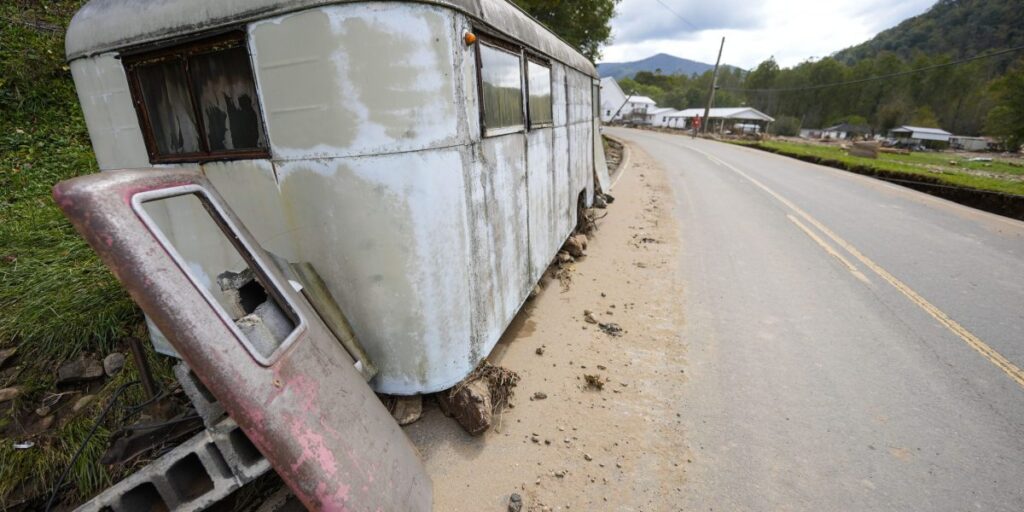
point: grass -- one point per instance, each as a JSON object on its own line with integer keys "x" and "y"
{"x": 57, "y": 299}
{"x": 1000, "y": 176}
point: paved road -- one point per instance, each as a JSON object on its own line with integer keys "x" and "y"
{"x": 851, "y": 343}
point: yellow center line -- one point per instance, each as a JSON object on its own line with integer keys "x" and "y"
{"x": 828, "y": 248}
{"x": 1012, "y": 370}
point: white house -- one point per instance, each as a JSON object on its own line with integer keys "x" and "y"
{"x": 659, "y": 116}
{"x": 616, "y": 105}
{"x": 721, "y": 119}
{"x": 612, "y": 99}
{"x": 931, "y": 137}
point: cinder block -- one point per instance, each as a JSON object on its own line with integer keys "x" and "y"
{"x": 208, "y": 408}
{"x": 192, "y": 477}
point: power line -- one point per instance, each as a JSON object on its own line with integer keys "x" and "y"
{"x": 879, "y": 77}
{"x": 680, "y": 16}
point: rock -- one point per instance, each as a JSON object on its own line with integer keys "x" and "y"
{"x": 583, "y": 240}
{"x": 574, "y": 247}
{"x": 113, "y": 364}
{"x": 608, "y": 198}
{"x": 600, "y": 203}
{"x": 84, "y": 368}
{"x": 564, "y": 257}
{"x": 44, "y": 424}
{"x": 535, "y": 439}
{"x": 539, "y": 351}
{"x": 407, "y": 409}
{"x": 588, "y": 316}
{"x": 10, "y": 393}
{"x": 515, "y": 503}
{"x": 43, "y": 410}
{"x": 587, "y": 457}
{"x": 470, "y": 405}
{"x": 82, "y": 403}
{"x": 611, "y": 329}
{"x": 560, "y": 473}
{"x": 535, "y": 292}
{"x": 540, "y": 395}
{"x": 6, "y": 354}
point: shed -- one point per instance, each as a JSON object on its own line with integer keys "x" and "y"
{"x": 720, "y": 118}
{"x": 844, "y": 131}
{"x": 930, "y": 137}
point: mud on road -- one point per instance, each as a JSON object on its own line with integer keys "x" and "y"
{"x": 617, "y": 445}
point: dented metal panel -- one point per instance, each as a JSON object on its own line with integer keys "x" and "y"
{"x": 102, "y": 88}
{"x": 306, "y": 408}
{"x": 429, "y": 236}
{"x": 103, "y": 25}
{"x": 376, "y": 79}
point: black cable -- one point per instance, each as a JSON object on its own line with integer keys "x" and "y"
{"x": 78, "y": 453}
{"x": 879, "y": 77}
{"x": 673, "y": 11}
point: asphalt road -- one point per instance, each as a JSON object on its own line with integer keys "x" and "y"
{"x": 851, "y": 344}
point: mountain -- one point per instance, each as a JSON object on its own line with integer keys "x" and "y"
{"x": 959, "y": 28}
{"x": 668, "y": 64}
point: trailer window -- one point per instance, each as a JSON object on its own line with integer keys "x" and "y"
{"x": 198, "y": 102}
{"x": 501, "y": 83}
{"x": 539, "y": 86}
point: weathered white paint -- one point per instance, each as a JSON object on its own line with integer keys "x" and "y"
{"x": 109, "y": 114}
{"x": 429, "y": 236}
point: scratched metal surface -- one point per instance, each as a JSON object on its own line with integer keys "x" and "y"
{"x": 309, "y": 412}
{"x": 429, "y": 236}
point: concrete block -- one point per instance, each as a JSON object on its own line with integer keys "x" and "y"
{"x": 205, "y": 404}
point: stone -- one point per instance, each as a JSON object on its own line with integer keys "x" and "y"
{"x": 539, "y": 351}
{"x": 574, "y": 247}
{"x": 82, "y": 403}
{"x": 113, "y": 364}
{"x": 84, "y": 368}
{"x": 587, "y": 457}
{"x": 407, "y": 409}
{"x": 540, "y": 395}
{"x": 600, "y": 203}
{"x": 6, "y": 354}
{"x": 535, "y": 292}
{"x": 515, "y": 503}
{"x": 564, "y": 257}
{"x": 10, "y": 393}
{"x": 583, "y": 240}
{"x": 588, "y": 316}
{"x": 470, "y": 405}
{"x": 43, "y": 410}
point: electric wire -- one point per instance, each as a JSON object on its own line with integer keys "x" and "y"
{"x": 81, "y": 447}
{"x": 677, "y": 15}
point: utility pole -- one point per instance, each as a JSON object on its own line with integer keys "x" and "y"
{"x": 714, "y": 86}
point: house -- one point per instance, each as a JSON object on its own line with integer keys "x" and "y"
{"x": 844, "y": 131}
{"x": 637, "y": 109}
{"x": 659, "y": 116}
{"x": 810, "y": 133}
{"x": 720, "y": 119}
{"x": 965, "y": 143}
{"x": 612, "y": 99}
{"x": 916, "y": 135}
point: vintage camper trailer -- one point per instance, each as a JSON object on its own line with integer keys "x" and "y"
{"x": 427, "y": 158}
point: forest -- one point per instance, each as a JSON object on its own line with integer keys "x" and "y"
{"x": 984, "y": 96}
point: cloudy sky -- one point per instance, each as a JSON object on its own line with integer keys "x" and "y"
{"x": 790, "y": 30}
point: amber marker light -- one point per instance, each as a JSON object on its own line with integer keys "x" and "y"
{"x": 470, "y": 38}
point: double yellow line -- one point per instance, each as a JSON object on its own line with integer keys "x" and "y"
{"x": 973, "y": 341}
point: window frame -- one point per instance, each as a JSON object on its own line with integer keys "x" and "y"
{"x": 511, "y": 48}
{"x": 182, "y": 53}
{"x": 546, "y": 63}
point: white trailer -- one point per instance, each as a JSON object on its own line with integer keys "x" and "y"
{"x": 428, "y": 158}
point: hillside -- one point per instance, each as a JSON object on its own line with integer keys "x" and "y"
{"x": 668, "y": 64}
{"x": 959, "y": 28}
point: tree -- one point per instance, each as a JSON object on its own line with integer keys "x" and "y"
{"x": 924, "y": 117}
{"x": 1006, "y": 120}
{"x": 585, "y": 24}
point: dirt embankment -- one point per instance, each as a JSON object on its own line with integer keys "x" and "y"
{"x": 595, "y": 421}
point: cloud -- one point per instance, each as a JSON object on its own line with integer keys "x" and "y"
{"x": 639, "y": 21}
{"x": 790, "y": 30}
